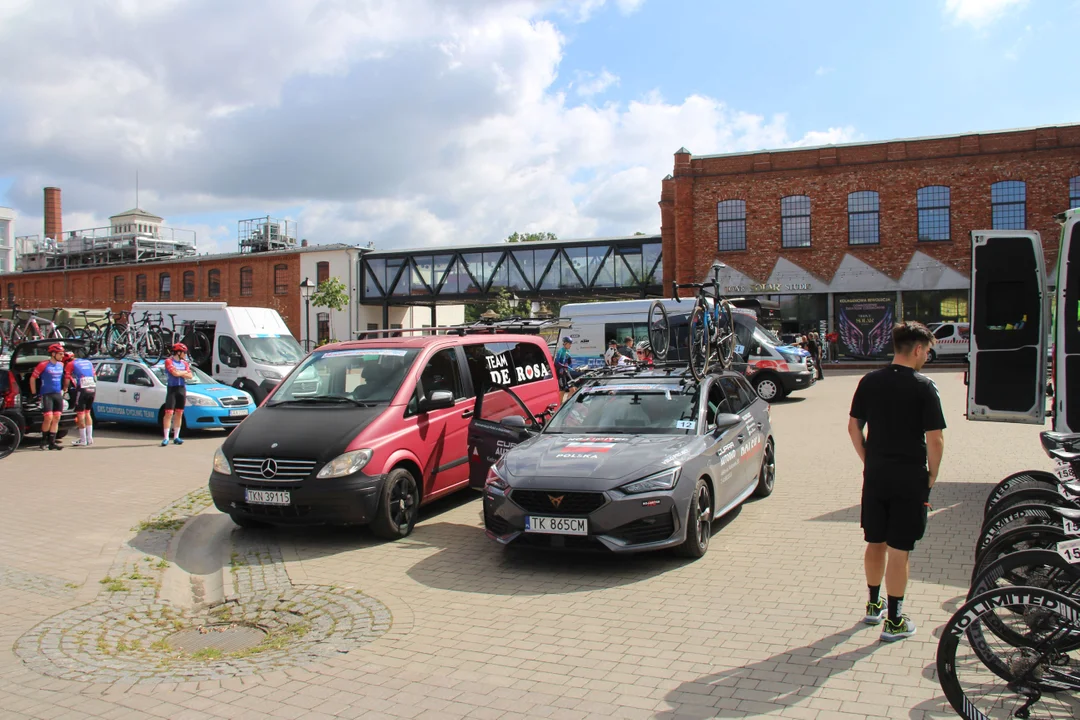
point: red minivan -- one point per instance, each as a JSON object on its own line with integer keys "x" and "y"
{"x": 364, "y": 432}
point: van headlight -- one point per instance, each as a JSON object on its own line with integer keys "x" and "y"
{"x": 345, "y": 464}
{"x": 221, "y": 463}
{"x": 200, "y": 401}
{"x": 660, "y": 481}
{"x": 269, "y": 374}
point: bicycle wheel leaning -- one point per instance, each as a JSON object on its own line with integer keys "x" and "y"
{"x": 1037, "y": 676}
{"x": 151, "y": 348}
{"x": 198, "y": 344}
{"x": 700, "y": 352}
{"x": 659, "y": 330}
{"x": 10, "y": 437}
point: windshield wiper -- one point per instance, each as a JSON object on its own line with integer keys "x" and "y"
{"x": 317, "y": 399}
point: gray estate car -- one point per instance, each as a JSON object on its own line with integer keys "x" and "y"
{"x": 635, "y": 461}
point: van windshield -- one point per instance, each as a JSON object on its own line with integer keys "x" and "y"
{"x": 272, "y": 349}
{"x": 765, "y": 337}
{"x": 359, "y": 376}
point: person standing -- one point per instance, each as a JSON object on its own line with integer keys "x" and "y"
{"x": 901, "y": 453}
{"x": 563, "y": 360}
{"x": 79, "y": 376}
{"x": 627, "y": 349}
{"x": 612, "y": 354}
{"x": 50, "y": 374}
{"x": 178, "y": 372}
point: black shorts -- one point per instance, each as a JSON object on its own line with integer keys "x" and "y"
{"x": 84, "y": 401}
{"x": 175, "y": 397}
{"x": 52, "y": 403}
{"x": 894, "y": 508}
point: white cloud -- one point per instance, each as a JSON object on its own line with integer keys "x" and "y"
{"x": 979, "y": 13}
{"x": 403, "y": 122}
{"x": 822, "y": 70}
{"x": 589, "y": 84}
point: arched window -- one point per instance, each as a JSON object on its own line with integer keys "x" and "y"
{"x": 795, "y": 221}
{"x": 863, "y": 218}
{"x": 731, "y": 224}
{"x": 189, "y": 284}
{"x": 213, "y": 283}
{"x": 1008, "y": 205}
{"x": 164, "y": 286}
{"x": 140, "y": 287}
{"x": 1074, "y": 192}
{"x": 322, "y": 272}
{"x": 247, "y": 282}
{"x": 118, "y": 288}
{"x": 281, "y": 279}
{"x": 933, "y": 202}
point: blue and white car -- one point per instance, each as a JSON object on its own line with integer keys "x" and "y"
{"x": 130, "y": 392}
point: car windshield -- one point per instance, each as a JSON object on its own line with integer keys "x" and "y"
{"x": 200, "y": 378}
{"x": 764, "y": 337}
{"x": 625, "y": 407}
{"x": 360, "y": 376}
{"x": 272, "y": 349}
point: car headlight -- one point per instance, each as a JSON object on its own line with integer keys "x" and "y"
{"x": 221, "y": 463}
{"x": 660, "y": 481}
{"x": 495, "y": 479}
{"x": 791, "y": 357}
{"x": 345, "y": 464}
{"x": 269, "y": 374}
{"x": 201, "y": 401}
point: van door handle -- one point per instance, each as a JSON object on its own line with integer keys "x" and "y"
{"x": 467, "y": 414}
{"x": 217, "y": 369}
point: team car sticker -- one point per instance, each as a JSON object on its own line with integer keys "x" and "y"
{"x": 587, "y": 447}
{"x": 686, "y": 424}
{"x": 373, "y": 351}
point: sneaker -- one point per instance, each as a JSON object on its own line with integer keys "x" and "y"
{"x": 164, "y": 442}
{"x": 875, "y": 612}
{"x": 55, "y": 447}
{"x": 78, "y": 442}
{"x": 897, "y": 631}
{"x": 177, "y": 441}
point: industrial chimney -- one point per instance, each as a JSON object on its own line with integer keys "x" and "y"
{"x": 54, "y": 224}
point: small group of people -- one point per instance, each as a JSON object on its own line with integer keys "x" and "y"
{"x": 64, "y": 374}
{"x": 813, "y": 344}
{"x": 615, "y": 355}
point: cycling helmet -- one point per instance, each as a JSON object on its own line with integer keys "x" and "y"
{"x": 69, "y": 356}
{"x": 56, "y": 348}
{"x": 179, "y": 348}
{"x": 643, "y": 346}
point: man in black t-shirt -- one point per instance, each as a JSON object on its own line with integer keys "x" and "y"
{"x": 901, "y": 453}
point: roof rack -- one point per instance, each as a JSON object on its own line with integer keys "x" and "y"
{"x": 527, "y": 326}
{"x": 673, "y": 368}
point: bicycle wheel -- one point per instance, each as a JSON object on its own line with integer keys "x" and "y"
{"x": 699, "y": 342}
{"x": 62, "y": 332}
{"x": 1028, "y": 537}
{"x": 10, "y": 437}
{"x": 198, "y": 344}
{"x": 1033, "y": 675}
{"x": 151, "y": 348}
{"x": 659, "y": 330}
{"x": 1025, "y": 478}
{"x": 1028, "y": 496}
{"x": 1014, "y": 517}
{"x": 725, "y": 335}
{"x": 115, "y": 342}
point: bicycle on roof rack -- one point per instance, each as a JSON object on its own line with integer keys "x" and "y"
{"x": 712, "y": 328}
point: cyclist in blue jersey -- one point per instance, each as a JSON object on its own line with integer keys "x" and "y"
{"x": 178, "y": 372}
{"x": 80, "y": 378}
{"x": 563, "y": 361}
{"x": 48, "y": 380}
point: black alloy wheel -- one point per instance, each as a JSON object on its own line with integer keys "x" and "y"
{"x": 396, "y": 515}
{"x": 698, "y": 522}
{"x": 767, "y": 474}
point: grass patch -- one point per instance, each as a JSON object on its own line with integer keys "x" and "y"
{"x": 207, "y": 654}
{"x": 162, "y": 564}
{"x": 113, "y": 584}
{"x": 161, "y": 523}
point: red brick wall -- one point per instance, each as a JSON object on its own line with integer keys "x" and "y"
{"x": 1045, "y": 158}
{"x": 93, "y": 287}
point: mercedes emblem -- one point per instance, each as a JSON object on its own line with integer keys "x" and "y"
{"x": 269, "y": 468}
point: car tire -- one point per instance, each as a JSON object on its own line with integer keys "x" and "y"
{"x": 698, "y": 522}
{"x": 931, "y": 356}
{"x": 257, "y": 393}
{"x": 767, "y": 472}
{"x": 769, "y": 388}
{"x": 247, "y": 523}
{"x": 61, "y": 434}
{"x": 399, "y": 502}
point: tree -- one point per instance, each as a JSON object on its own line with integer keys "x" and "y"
{"x": 502, "y": 305}
{"x": 531, "y": 237}
{"x": 331, "y": 295}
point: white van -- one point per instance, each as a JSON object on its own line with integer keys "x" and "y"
{"x": 251, "y": 348}
{"x": 953, "y": 339}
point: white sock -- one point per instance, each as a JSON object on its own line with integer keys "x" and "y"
{"x": 82, "y": 434}
{"x": 90, "y": 434}
{"x": 176, "y": 432}
{"x": 166, "y": 432}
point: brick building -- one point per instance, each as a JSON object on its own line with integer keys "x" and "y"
{"x": 887, "y": 223}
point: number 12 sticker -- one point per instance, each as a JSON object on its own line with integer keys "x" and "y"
{"x": 1070, "y": 550}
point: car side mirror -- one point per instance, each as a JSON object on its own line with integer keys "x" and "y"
{"x": 513, "y": 422}
{"x": 143, "y": 382}
{"x": 726, "y": 421}
{"x": 437, "y": 400}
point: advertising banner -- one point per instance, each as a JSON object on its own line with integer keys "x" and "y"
{"x": 864, "y": 324}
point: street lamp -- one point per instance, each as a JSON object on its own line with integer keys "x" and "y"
{"x": 306, "y": 288}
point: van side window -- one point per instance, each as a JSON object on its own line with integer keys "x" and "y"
{"x": 226, "y": 348}
{"x": 943, "y": 332}
{"x": 441, "y": 373}
{"x": 509, "y": 364}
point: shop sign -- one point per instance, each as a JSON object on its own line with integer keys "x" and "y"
{"x": 767, "y": 287}
{"x": 864, "y": 324}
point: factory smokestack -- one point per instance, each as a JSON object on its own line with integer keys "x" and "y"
{"x": 54, "y": 224}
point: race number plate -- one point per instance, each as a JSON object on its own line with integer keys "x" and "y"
{"x": 1072, "y": 527}
{"x": 1064, "y": 472}
{"x": 267, "y": 497}
{"x": 238, "y": 413}
{"x": 556, "y": 525}
{"x": 1070, "y": 550}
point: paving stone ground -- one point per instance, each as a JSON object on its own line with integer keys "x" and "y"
{"x": 766, "y": 624}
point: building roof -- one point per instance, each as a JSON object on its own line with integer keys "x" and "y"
{"x": 882, "y": 142}
{"x": 500, "y": 246}
{"x": 139, "y": 212}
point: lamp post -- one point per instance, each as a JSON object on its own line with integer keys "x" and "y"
{"x": 306, "y": 288}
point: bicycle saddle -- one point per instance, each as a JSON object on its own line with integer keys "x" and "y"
{"x": 1060, "y": 441}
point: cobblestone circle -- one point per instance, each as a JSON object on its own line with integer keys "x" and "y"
{"x": 120, "y": 636}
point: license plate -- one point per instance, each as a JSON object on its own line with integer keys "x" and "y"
{"x": 238, "y": 413}
{"x": 267, "y": 497}
{"x": 556, "y": 525}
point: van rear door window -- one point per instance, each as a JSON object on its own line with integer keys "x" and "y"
{"x": 508, "y": 364}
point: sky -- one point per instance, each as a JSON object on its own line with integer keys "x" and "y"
{"x": 414, "y": 123}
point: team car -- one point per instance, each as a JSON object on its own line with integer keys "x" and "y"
{"x": 129, "y": 391}
{"x": 634, "y": 461}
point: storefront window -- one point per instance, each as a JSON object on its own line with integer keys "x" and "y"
{"x": 799, "y": 313}
{"x": 936, "y": 306}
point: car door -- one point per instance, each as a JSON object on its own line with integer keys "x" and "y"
{"x": 722, "y": 446}
{"x": 139, "y": 394}
{"x": 107, "y": 397}
{"x": 442, "y": 432}
{"x": 750, "y": 441}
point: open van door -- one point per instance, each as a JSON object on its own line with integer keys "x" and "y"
{"x": 1009, "y": 326}
{"x": 1067, "y": 328}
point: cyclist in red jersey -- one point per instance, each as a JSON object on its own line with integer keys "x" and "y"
{"x": 48, "y": 379}
{"x": 178, "y": 372}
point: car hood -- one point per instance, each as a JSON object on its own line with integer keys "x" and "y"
{"x": 217, "y": 391}
{"x": 558, "y": 461}
{"x": 316, "y": 432}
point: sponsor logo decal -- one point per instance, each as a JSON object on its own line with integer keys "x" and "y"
{"x": 751, "y": 445}
{"x": 649, "y": 503}
{"x": 580, "y": 447}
